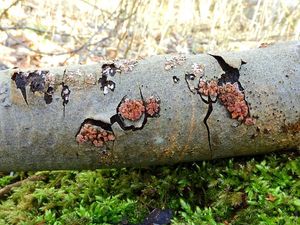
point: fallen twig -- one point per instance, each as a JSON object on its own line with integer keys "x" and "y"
{"x": 6, "y": 10}
{"x": 5, "y": 190}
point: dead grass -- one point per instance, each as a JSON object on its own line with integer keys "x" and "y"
{"x": 84, "y": 31}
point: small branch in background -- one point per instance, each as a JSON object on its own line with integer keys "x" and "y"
{"x": 36, "y": 30}
{"x": 6, "y": 10}
{"x": 76, "y": 50}
{"x": 5, "y": 190}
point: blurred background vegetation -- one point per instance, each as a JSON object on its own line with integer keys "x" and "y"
{"x": 249, "y": 190}
{"x": 56, "y": 32}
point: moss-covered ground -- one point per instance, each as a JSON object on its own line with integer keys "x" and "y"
{"x": 249, "y": 190}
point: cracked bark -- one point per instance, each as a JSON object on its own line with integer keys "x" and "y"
{"x": 38, "y": 136}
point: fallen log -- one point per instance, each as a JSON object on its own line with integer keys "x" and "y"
{"x": 160, "y": 110}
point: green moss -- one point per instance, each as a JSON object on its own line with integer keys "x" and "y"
{"x": 262, "y": 190}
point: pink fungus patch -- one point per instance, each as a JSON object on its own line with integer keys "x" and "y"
{"x": 132, "y": 109}
{"x": 208, "y": 88}
{"x": 152, "y": 106}
{"x": 233, "y": 99}
{"x": 96, "y": 135}
{"x": 230, "y": 96}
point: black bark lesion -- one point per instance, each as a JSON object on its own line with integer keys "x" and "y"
{"x": 21, "y": 81}
{"x": 98, "y": 123}
{"x": 190, "y": 79}
{"x": 175, "y": 79}
{"x": 65, "y": 95}
{"x": 230, "y": 75}
{"x": 108, "y": 70}
{"x": 36, "y": 80}
{"x": 48, "y": 95}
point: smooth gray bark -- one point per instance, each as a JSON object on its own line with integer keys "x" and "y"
{"x": 38, "y": 137}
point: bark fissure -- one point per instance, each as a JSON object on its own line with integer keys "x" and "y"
{"x": 209, "y": 102}
{"x": 216, "y": 88}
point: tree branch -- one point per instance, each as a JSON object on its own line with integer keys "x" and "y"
{"x": 128, "y": 113}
